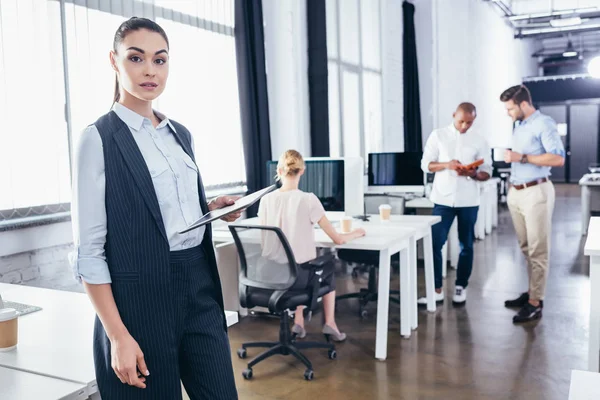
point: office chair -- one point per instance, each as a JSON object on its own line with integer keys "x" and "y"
{"x": 368, "y": 262}
{"x": 268, "y": 281}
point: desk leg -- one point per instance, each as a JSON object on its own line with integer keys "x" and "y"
{"x": 453, "y": 244}
{"x": 383, "y": 305}
{"x": 412, "y": 262}
{"x": 585, "y": 208}
{"x": 406, "y": 294}
{"x": 445, "y": 252}
{"x": 429, "y": 277}
{"x": 594, "y": 344}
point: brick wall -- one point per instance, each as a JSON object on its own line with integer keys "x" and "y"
{"x": 47, "y": 267}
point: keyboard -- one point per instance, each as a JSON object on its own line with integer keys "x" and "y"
{"x": 21, "y": 308}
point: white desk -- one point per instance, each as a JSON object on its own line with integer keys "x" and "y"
{"x": 20, "y": 385}
{"x": 451, "y": 249}
{"x": 584, "y": 385}
{"x": 592, "y": 249}
{"x": 422, "y": 224}
{"x": 590, "y": 198}
{"x": 387, "y": 240}
{"x": 57, "y": 341}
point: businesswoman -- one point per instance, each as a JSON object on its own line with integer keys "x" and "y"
{"x": 157, "y": 293}
{"x": 296, "y": 212}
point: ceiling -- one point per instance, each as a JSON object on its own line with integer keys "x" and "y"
{"x": 567, "y": 32}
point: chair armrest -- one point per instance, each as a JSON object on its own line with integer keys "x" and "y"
{"x": 321, "y": 261}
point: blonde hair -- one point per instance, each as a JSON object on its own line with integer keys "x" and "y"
{"x": 290, "y": 163}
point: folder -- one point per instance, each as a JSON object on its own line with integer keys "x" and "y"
{"x": 240, "y": 204}
{"x": 473, "y": 165}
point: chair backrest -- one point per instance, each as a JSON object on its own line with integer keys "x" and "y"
{"x": 266, "y": 257}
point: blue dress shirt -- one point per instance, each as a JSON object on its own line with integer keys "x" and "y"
{"x": 536, "y": 135}
{"x": 174, "y": 176}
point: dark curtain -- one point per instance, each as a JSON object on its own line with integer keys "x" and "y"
{"x": 412, "y": 111}
{"x": 254, "y": 103}
{"x": 317, "y": 78}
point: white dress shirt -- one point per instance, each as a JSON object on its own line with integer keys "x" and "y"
{"x": 174, "y": 176}
{"x": 447, "y": 144}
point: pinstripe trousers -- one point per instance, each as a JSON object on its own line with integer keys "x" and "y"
{"x": 178, "y": 325}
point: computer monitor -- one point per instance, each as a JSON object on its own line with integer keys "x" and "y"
{"x": 324, "y": 178}
{"x": 396, "y": 172}
{"x": 337, "y": 182}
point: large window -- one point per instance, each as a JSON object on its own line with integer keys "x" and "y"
{"x": 41, "y": 118}
{"x": 355, "y": 92}
{"x": 34, "y": 151}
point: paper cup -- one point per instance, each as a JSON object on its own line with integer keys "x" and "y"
{"x": 385, "y": 211}
{"x": 346, "y": 224}
{"x": 9, "y": 331}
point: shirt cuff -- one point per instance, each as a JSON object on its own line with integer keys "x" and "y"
{"x": 92, "y": 270}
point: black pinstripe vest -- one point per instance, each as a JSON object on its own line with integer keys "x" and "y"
{"x": 136, "y": 240}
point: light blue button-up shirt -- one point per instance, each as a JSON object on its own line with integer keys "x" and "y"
{"x": 536, "y": 135}
{"x": 174, "y": 176}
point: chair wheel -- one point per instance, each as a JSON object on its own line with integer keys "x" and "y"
{"x": 332, "y": 354}
{"x": 364, "y": 314}
{"x": 241, "y": 353}
{"x": 247, "y": 373}
{"x": 354, "y": 273}
{"x": 308, "y": 375}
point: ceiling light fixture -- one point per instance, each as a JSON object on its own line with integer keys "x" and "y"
{"x": 556, "y": 23}
{"x": 594, "y": 67}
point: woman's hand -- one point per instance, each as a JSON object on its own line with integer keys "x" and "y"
{"x": 224, "y": 201}
{"x": 127, "y": 360}
{"x": 360, "y": 232}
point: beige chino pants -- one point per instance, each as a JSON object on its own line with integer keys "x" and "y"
{"x": 531, "y": 211}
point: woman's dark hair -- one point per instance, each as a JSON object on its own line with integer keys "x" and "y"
{"x": 131, "y": 25}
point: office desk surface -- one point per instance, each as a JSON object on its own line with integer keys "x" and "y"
{"x": 20, "y": 385}
{"x": 57, "y": 341}
{"x": 584, "y": 385}
{"x": 592, "y": 244}
{"x": 378, "y": 235}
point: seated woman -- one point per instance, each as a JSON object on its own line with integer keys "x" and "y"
{"x": 296, "y": 212}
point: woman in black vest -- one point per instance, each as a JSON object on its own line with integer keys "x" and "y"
{"x": 157, "y": 293}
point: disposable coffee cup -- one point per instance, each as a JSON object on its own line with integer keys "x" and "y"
{"x": 9, "y": 331}
{"x": 346, "y": 224}
{"x": 385, "y": 211}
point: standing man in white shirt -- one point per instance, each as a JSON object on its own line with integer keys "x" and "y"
{"x": 456, "y": 192}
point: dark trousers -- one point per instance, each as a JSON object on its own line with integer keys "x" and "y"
{"x": 306, "y": 273}
{"x": 467, "y": 216}
{"x": 178, "y": 324}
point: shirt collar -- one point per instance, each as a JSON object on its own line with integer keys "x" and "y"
{"x": 135, "y": 121}
{"x": 531, "y": 118}
{"x": 455, "y": 131}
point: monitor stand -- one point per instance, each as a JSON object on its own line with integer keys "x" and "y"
{"x": 364, "y": 217}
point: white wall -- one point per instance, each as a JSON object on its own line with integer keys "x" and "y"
{"x": 472, "y": 57}
{"x": 286, "y": 56}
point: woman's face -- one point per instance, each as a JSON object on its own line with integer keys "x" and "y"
{"x": 142, "y": 64}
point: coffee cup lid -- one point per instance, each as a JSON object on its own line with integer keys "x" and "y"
{"x": 6, "y": 314}
{"x": 386, "y": 206}
{"x": 347, "y": 218}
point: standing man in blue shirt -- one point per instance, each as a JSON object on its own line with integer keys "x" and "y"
{"x": 536, "y": 147}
